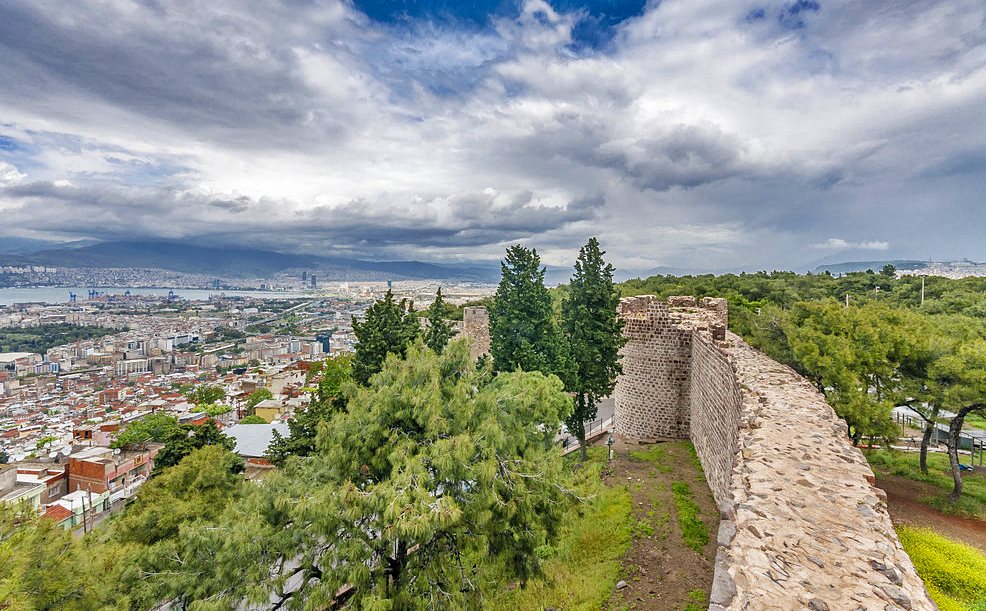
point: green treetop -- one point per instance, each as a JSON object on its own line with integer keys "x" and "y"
{"x": 962, "y": 378}
{"x": 439, "y": 330}
{"x": 206, "y": 394}
{"x": 387, "y": 328}
{"x": 256, "y": 397}
{"x": 196, "y": 491}
{"x": 435, "y": 469}
{"x": 327, "y": 399}
{"x": 523, "y": 333}
{"x": 189, "y": 437}
{"x": 41, "y": 566}
{"x": 847, "y": 352}
{"x": 254, "y": 419}
{"x": 594, "y": 333}
{"x": 156, "y": 427}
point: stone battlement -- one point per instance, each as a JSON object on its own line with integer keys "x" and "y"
{"x": 802, "y": 525}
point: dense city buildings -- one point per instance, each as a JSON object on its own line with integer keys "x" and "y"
{"x": 61, "y": 410}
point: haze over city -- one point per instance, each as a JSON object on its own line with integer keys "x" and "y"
{"x": 703, "y": 134}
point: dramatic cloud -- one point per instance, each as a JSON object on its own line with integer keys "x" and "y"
{"x": 704, "y": 134}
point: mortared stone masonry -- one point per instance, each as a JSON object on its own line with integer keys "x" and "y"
{"x": 802, "y": 525}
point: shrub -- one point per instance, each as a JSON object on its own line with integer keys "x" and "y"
{"x": 954, "y": 573}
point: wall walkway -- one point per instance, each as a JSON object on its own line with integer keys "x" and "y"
{"x": 803, "y": 526}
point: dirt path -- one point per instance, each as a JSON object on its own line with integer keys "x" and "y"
{"x": 660, "y": 571}
{"x": 905, "y": 508}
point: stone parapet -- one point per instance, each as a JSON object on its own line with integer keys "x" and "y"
{"x": 802, "y": 525}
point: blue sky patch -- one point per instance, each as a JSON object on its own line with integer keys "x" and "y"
{"x": 596, "y": 28}
{"x": 8, "y": 144}
{"x": 792, "y": 16}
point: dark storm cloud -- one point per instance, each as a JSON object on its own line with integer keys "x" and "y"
{"x": 231, "y": 76}
{"x": 110, "y": 212}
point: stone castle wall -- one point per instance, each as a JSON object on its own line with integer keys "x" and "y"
{"x": 802, "y": 525}
{"x": 476, "y": 327}
{"x": 715, "y": 412}
{"x": 651, "y": 395}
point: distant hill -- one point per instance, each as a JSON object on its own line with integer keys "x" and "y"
{"x": 26, "y": 246}
{"x": 225, "y": 262}
{"x": 862, "y": 266}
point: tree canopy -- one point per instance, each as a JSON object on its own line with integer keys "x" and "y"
{"x": 594, "y": 335}
{"x": 523, "y": 332}
{"x": 387, "y": 328}
{"x": 439, "y": 330}
{"x": 435, "y": 470}
{"x": 156, "y": 427}
{"x": 206, "y": 394}
{"x": 187, "y": 438}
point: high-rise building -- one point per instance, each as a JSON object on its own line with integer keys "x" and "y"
{"x": 326, "y": 340}
{"x": 314, "y": 282}
{"x": 304, "y": 276}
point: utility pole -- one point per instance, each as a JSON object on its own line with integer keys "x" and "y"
{"x": 85, "y": 525}
{"x": 922, "y": 290}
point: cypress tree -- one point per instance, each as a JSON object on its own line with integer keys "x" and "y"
{"x": 594, "y": 334}
{"x": 523, "y": 333}
{"x": 439, "y": 330}
{"x": 388, "y": 327}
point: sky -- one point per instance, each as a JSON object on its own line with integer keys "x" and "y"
{"x": 699, "y": 134}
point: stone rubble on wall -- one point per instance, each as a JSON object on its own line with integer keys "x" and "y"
{"x": 803, "y": 526}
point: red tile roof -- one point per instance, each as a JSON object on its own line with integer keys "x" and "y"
{"x": 57, "y": 513}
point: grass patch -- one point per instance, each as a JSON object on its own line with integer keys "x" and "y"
{"x": 653, "y": 454}
{"x": 698, "y": 600}
{"x": 905, "y": 464}
{"x": 695, "y": 459}
{"x": 954, "y": 573}
{"x": 693, "y": 530}
{"x": 976, "y": 421}
{"x": 582, "y": 568}
{"x": 642, "y": 529}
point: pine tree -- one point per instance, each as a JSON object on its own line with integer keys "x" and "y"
{"x": 433, "y": 465}
{"x": 594, "y": 333}
{"x": 523, "y": 333}
{"x": 189, "y": 437}
{"x": 328, "y": 398}
{"x": 388, "y": 328}
{"x": 439, "y": 330}
{"x": 41, "y": 564}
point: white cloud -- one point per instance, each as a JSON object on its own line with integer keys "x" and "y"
{"x": 9, "y": 174}
{"x": 699, "y": 138}
{"x": 841, "y": 244}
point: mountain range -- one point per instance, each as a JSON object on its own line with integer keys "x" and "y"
{"x": 225, "y": 262}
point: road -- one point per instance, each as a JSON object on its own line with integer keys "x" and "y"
{"x": 604, "y": 411}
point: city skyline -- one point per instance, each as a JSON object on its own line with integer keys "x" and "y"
{"x": 700, "y": 134}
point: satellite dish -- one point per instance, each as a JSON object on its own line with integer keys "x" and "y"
{"x": 17, "y": 457}
{"x": 116, "y": 452}
{"x": 67, "y": 450}
{"x": 53, "y": 455}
